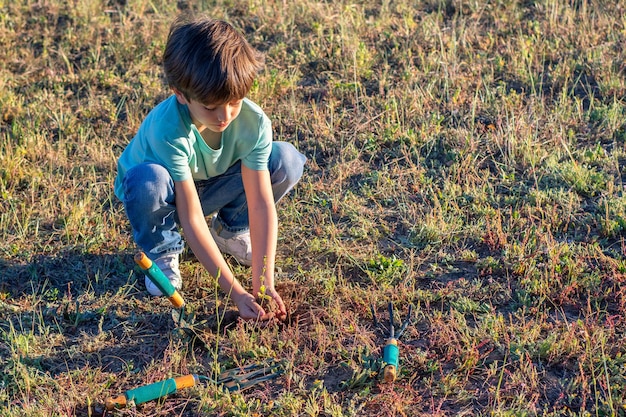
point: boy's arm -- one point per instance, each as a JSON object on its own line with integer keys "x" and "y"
{"x": 203, "y": 246}
{"x": 263, "y": 232}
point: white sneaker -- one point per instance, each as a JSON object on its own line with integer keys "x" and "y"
{"x": 169, "y": 266}
{"x": 236, "y": 245}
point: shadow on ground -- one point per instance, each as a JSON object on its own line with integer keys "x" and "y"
{"x": 73, "y": 271}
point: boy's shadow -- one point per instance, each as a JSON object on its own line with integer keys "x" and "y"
{"x": 69, "y": 273}
{"x": 97, "y": 308}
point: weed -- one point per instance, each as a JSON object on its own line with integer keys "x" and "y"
{"x": 387, "y": 271}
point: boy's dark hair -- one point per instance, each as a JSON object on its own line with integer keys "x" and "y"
{"x": 209, "y": 61}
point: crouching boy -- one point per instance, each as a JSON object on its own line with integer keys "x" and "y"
{"x": 205, "y": 151}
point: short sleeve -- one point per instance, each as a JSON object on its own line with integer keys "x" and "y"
{"x": 174, "y": 155}
{"x": 260, "y": 155}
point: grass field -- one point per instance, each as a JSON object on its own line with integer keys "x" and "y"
{"x": 465, "y": 157}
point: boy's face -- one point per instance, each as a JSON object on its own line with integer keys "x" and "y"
{"x": 215, "y": 117}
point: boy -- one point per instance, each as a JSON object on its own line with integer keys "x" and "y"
{"x": 208, "y": 149}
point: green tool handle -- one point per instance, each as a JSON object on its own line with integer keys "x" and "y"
{"x": 391, "y": 354}
{"x": 154, "y": 274}
{"x": 151, "y": 392}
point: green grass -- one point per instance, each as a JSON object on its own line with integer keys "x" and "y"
{"x": 465, "y": 157}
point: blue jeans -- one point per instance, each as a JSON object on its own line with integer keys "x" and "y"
{"x": 150, "y": 204}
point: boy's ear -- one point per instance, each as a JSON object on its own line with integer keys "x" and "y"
{"x": 180, "y": 96}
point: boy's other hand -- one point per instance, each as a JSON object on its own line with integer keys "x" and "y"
{"x": 248, "y": 308}
{"x": 281, "y": 314}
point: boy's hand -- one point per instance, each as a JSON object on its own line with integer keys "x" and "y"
{"x": 281, "y": 314}
{"x": 248, "y": 308}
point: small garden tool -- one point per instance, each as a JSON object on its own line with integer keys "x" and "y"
{"x": 154, "y": 274}
{"x": 237, "y": 379}
{"x": 391, "y": 351}
{"x": 185, "y": 322}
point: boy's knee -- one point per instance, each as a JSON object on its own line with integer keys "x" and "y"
{"x": 148, "y": 171}
{"x": 286, "y": 161}
{"x": 148, "y": 181}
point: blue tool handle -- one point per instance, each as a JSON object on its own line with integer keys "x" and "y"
{"x": 151, "y": 392}
{"x": 391, "y": 354}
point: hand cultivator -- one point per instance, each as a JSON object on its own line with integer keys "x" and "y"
{"x": 391, "y": 352}
{"x": 238, "y": 379}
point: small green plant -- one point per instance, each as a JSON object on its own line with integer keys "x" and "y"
{"x": 386, "y": 270}
{"x": 263, "y": 298}
{"x": 585, "y": 179}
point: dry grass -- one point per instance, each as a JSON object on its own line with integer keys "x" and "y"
{"x": 464, "y": 157}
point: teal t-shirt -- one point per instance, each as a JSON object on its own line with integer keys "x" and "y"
{"x": 169, "y": 138}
